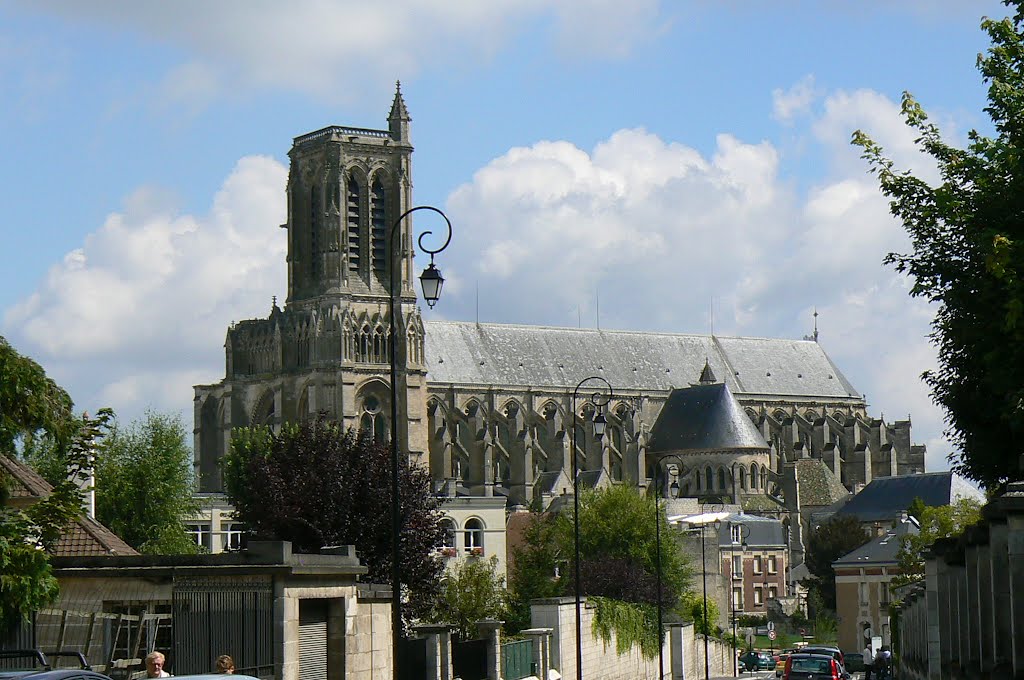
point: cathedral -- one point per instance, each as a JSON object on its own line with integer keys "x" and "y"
{"x": 489, "y": 408}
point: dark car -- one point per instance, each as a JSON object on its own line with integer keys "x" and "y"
{"x": 853, "y": 661}
{"x": 757, "y": 661}
{"x": 827, "y": 650}
{"x": 804, "y": 666}
{"x": 32, "y": 664}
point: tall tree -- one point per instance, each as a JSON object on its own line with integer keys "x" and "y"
{"x": 967, "y": 233}
{"x": 839, "y": 536}
{"x": 316, "y": 485}
{"x": 33, "y": 406}
{"x": 145, "y": 488}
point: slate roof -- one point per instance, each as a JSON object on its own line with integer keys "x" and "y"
{"x": 758, "y": 532}
{"x": 703, "y": 417}
{"x": 541, "y": 356}
{"x": 818, "y": 484}
{"x": 886, "y": 497}
{"x": 879, "y": 550}
{"x": 84, "y": 537}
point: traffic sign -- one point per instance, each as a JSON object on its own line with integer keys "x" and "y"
{"x": 771, "y": 635}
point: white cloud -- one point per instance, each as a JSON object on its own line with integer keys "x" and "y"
{"x": 139, "y": 312}
{"x": 794, "y": 102}
{"x": 335, "y": 48}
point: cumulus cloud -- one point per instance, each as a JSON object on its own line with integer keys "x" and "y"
{"x": 796, "y": 101}
{"x": 138, "y": 313}
{"x": 334, "y": 48}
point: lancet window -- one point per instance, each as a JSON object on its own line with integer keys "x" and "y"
{"x": 378, "y": 226}
{"x": 354, "y": 199}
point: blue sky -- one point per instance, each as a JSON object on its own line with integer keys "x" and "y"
{"x": 666, "y": 157}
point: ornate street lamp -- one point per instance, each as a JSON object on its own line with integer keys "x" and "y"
{"x": 600, "y": 398}
{"x": 431, "y": 281}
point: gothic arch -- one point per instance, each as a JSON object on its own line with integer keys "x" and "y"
{"x": 722, "y": 483}
{"x": 709, "y": 479}
{"x": 373, "y": 403}
{"x": 755, "y": 477}
{"x": 742, "y": 477}
{"x": 211, "y": 443}
{"x": 264, "y": 412}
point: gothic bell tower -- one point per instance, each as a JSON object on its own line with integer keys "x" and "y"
{"x": 327, "y": 350}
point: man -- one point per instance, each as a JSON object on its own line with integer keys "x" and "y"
{"x": 868, "y": 658}
{"x": 155, "y": 666}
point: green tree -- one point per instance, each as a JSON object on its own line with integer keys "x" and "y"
{"x": 967, "y": 234}
{"x": 839, "y": 536}
{"x": 936, "y": 522}
{"x": 618, "y": 562}
{"x": 317, "y": 485}
{"x": 470, "y": 592}
{"x": 32, "y": 406}
{"x": 145, "y": 488}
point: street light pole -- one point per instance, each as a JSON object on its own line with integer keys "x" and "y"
{"x": 599, "y": 425}
{"x": 431, "y": 281}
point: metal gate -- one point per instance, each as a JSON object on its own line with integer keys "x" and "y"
{"x": 517, "y": 660}
{"x": 414, "y": 658}
{"x": 469, "y": 659}
{"x": 215, "y": 616}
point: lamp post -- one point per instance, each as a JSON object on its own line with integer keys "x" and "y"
{"x": 600, "y": 400}
{"x": 657, "y": 540}
{"x": 431, "y": 281}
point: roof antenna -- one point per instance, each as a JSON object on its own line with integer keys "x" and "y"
{"x": 815, "y": 336}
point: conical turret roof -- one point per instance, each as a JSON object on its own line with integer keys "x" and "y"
{"x": 703, "y": 417}
{"x": 398, "y": 110}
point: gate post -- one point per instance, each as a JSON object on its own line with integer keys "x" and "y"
{"x": 439, "y": 650}
{"x": 490, "y": 630}
{"x": 541, "y": 639}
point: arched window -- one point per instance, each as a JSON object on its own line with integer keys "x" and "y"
{"x": 314, "y": 231}
{"x": 474, "y": 537}
{"x": 354, "y": 204}
{"x": 372, "y": 420}
{"x": 722, "y": 486}
{"x": 709, "y": 479}
{"x": 378, "y": 226}
{"x": 755, "y": 481}
{"x": 448, "y": 527}
{"x": 743, "y": 479}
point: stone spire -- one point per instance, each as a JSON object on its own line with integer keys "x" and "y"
{"x": 707, "y": 376}
{"x": 398, "y": 119}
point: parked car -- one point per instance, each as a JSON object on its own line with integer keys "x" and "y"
{"x": 780, "y": 663}
{"x": 804, "y": 666}
{"x": 853, "y": 661}
{"x": 32, "y": 664}
{"x": 757, "y": 661}
{"x": 827, "y": 650}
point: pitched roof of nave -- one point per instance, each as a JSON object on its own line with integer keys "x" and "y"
{"x": 704, "y": 417}
{"x": 542, "y": 356}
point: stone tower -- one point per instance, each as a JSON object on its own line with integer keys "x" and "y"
{"x": 327, "y": 349}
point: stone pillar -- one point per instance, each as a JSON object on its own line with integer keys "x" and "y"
{"x": 986, "y": 604}
{"x": 490, "y": 630}
{"x": 541, "y": 639}
{"x": 973, "y": 618}
{"x": 933, "y": 649}
{"x": 1012, "y": 502}
{"x": 998, "y": 534}
{"x": 439, "y": 650}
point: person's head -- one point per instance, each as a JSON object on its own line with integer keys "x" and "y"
{"x": 225, "y": 664}
{"x": 154, "y": 664}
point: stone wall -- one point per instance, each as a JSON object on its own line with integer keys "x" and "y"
{"x": 683, "y": 650}
{"x": 966, "y": 619}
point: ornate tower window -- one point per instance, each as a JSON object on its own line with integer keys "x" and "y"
{"x": 314, "y": 233}
{"x": 372, "y": 420}
{"x": 378, "y": 226}
{"x": 354, "y": 204}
